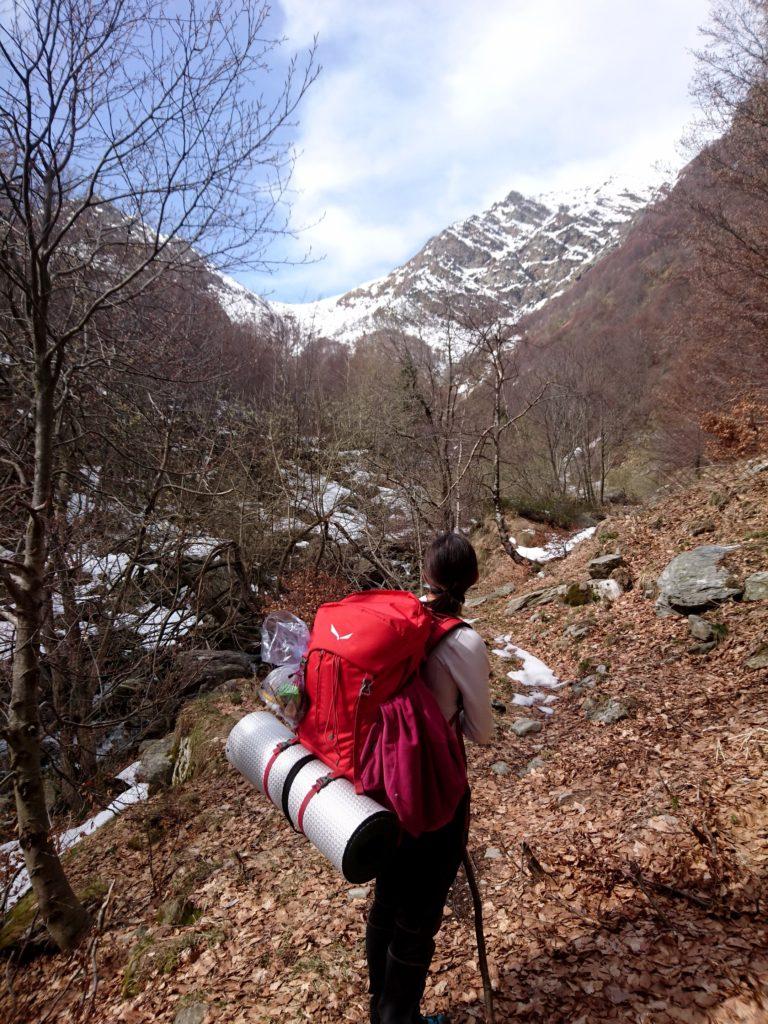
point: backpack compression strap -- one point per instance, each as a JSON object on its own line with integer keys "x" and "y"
{"x": 273, "y": 757}
{"x": 322, "y": 782}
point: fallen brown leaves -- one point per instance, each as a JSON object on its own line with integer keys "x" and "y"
{"x": 631, "y": 884}
{"x": 305, "y": 589}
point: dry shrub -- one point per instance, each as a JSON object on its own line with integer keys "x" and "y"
{"x": 739, "y": 431}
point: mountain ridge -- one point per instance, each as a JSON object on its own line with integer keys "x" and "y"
{"x": 520, "y": 252}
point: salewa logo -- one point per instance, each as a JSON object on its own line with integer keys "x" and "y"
{"x": 346, "y": 636}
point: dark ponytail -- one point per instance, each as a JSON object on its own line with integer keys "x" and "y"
{"x": 450, "y": 569}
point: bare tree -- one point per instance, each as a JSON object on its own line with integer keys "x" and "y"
{"x": 433, "y": 381}
{"x": 726, "y": 190}
{"x": 494, "y": 337}
{"x": 135, "y": 143}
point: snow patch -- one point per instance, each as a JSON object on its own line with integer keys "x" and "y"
{"x": 538, "y": 677}
{"x": 11, "y": 852}
{"x": 534, "y": 672}
{"x": 556, "y": 548}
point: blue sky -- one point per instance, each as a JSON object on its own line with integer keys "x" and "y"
{"x": 429, "y": 110}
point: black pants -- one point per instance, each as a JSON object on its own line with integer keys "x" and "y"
{"x": 412, "y": 889}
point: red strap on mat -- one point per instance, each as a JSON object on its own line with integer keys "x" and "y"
{"x": 321, "y": 783}
{"x": 274, "y": 756}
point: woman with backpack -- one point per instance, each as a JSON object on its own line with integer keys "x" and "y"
{"x": 412, "y": 889}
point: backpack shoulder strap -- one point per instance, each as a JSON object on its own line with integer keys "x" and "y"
{"x": 442, "y": 625}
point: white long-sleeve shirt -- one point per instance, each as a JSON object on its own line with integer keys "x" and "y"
{"x": 459, "y": 667}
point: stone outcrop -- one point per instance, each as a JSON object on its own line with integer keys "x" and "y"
{"x": 205, "y": 670}
{"x": 696, "y": 580}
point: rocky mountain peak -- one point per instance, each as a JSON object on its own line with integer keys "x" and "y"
{"x": 521, "y": 252}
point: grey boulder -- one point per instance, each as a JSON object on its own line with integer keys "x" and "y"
{"x": 759, "y": 658}
{"x": 756, "y": 587}
{"x": 696, "y": 580}
{"x": 587, "y": 683}
{"x": 534, "y": 598}
{"x": 700, "y": 629}
{"x": 533, "y": 766}
{"x": 606, "y": 590}
{"x": 579, "y": 630}
{"x": 192, "y": 1013}
{"x": 156, "y": 763}
{"x": 526, "y": 727}
{"x": 701, "y": 526}
{"x": 703, "y": 648}
{"x": 503, "y": 591}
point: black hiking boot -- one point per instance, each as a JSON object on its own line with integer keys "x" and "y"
{"x": 402, "y": 992}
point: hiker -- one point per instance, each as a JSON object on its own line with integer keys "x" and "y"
{"x": 412, "y": 888}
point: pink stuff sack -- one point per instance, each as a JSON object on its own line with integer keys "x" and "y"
{"x": 413, "y": 761}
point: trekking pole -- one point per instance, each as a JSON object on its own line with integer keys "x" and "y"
{"x": 482, "y": 956}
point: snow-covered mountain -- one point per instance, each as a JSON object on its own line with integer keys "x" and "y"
{"x": 241, "y": 305}
{"x": 521, "y": 252}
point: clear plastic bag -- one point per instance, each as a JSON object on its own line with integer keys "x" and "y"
{"x": 284, "y": 642}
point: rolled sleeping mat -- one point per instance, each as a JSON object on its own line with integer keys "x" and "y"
{"x": 355, "y": 833}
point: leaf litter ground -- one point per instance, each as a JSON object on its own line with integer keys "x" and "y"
{"x": 623, "y": 877}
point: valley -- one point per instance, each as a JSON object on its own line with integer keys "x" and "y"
{"x": 575, "y": 382}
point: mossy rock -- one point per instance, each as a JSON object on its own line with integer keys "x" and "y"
{"x": 23, "y": 931}
{"x": 152, "y": 955}
{"x": 605, "y": 535}
{"x": 718, "y": 500}
{"x": 758, "y": 658}
{"x": 201, "y": 733}
{"x": 577, "y": 594}
{"x": 606, "y": 710}
{"x": 17, "y": 923}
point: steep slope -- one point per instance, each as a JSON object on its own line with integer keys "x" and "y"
{"x": 521, "y": 252}
{"x": 640, "y": 285}
{"x": 622, "y": 865}
{"x": 658, "y": 297}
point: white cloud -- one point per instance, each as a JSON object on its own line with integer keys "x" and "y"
{"x": 426, "y": 112}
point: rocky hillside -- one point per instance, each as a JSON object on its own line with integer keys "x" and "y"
{"x": 620, "y": 824}
{"x": 521, "y": 252}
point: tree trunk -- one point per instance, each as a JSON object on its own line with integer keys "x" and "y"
{"x": 498, "y": 510}
{"x": 64, "y": 916}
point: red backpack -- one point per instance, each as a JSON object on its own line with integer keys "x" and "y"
{"x": 371, "y": 718}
